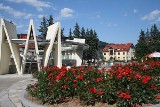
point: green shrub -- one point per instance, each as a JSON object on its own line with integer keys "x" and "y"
{"x": 126, "y": 85}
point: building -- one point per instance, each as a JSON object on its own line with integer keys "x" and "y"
{"x": 72, "y": 50}
{"x": 119, "y": 52}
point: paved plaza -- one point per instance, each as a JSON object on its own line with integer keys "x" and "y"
{"x": 9, "y": 79}
{"x": 11, "y": 89}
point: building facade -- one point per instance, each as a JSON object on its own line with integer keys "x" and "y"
{"x": 71, "y": 50}
{"x": 119, "y": 52}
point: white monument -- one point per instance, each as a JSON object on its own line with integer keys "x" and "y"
{"x": 9, "y": 45}
{"x": 31, "y": 37}
{"x": 54, "y": 47}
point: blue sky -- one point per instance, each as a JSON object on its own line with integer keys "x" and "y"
{"x": 115, "y": 21}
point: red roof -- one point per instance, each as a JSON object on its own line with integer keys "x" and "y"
{"x": 31, "y": 46}
{"x": 23, "y": 36}
{"x": 118, "y": 47}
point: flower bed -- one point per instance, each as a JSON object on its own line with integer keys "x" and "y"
{"x": 124, "y": 85}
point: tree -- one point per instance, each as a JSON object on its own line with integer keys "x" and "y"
{"x": 91, "y": 38}
{"x": 148, "y": 39}
{"x": 155, "y": 38}
{"x": 93, "y": 51}
{"x": 142, "y": 37}
{"x": 43, "y": 27}
{"x": 141, "y": 47}
{"x": 62, "y": 35}
{"x": 70, "y": 34}
{"x": 86, "y": 52}
{"x": 154, "y": 33}
{"x": 83, "y": 33}
{"x": 50, "y": 20}
{"x": 96, "y": 40}
{"x": 76, "y": 31}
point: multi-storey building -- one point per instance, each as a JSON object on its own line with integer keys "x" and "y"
{"x": 121, "y": 52}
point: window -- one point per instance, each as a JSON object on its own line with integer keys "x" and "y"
{"x": 123, "y": 53}
{"x": 123, "y": 58}
{"x": 70, "y": 55}
{"x": 118, "y": 58}
{"x": 114, "y": 53}
{"x": 118, "y": 53}
{"x": 104, "y": 54}
{"x": 111, "y": 52}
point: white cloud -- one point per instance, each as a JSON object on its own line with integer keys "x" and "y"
{"x": 135, "y": 11}
{"x": 13, "y": 12}
{"x": 19, "y": 26}
{"x": 152, "y": 15}
{"x": 39, "y": 5}
{"x": 66, "y": 12}
{"x": 27, "y": 16}
{"x": 40, "y": 16}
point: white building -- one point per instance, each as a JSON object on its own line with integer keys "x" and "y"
{"x": 120, "y": 52}
{"x": 72, "y": 51}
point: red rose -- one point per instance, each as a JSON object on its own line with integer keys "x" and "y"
{"x": 35, "y": 84}
{"x": 119, "y": 76}
{"x": 104, "y": 69}
{"x": 67, "y": 78}
{"x": 50, "y": 76}
{"x": 98, "y": 79}
{"x": 80, "y": 77}
{"x": 153, "y": 87}
{"x": 74, "y": 85}
{"x": 157, "y": 96}
{"x": 122, "y": 95}
{"x": 100, "y": 92}
{"x": 127, "y": 96}
{"x": 58, "y": 77}
{"x": 146, "y": 79}
{"x": 129, "y": 78}
{"x": 64, "y": 86}
{"x": 93, "y": 90}
{"x": 137, "y": 76}
{"x": 74, "y": 81}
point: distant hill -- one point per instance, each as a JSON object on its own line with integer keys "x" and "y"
{"x": 102, "y": 44}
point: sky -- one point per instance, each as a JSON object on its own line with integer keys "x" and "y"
{"x": 115, "y": 21}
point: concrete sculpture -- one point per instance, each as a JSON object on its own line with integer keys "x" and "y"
{"x": 54, "y": 47}
{"x": 31, "y": 37}
{"x": 9, "y": 45}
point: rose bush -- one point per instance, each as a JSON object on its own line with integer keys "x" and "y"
{"x": 126, "y": 85}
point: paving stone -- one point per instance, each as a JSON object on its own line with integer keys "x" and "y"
{"x": 8, "y": 88}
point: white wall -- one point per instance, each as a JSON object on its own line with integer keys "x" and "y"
{"x": 77, "y": 53}
{"x": 131, "y": 54}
